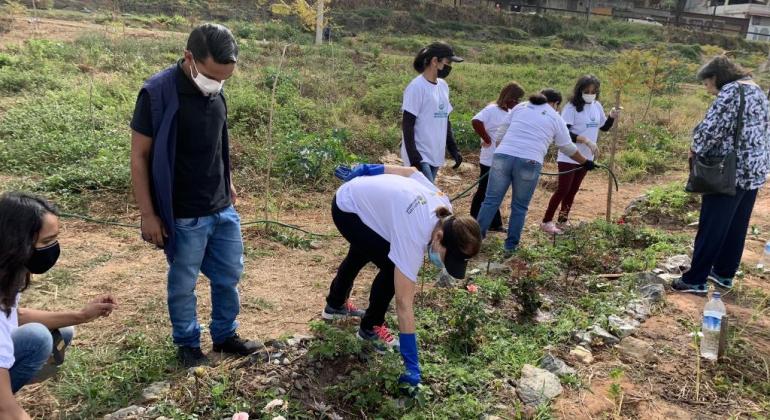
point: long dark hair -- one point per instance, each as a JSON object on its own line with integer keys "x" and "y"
{"x": 545, "y": 96}
{"x": 21, "y": 218}
{"x": 577, "y": 94}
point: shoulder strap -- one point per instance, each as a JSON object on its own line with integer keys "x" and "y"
{"x": 739, "y": 125}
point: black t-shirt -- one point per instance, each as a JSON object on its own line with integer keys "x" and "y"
{"x": 200, "y": 185}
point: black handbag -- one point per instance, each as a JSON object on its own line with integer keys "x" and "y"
{"x": 716, "y": 175}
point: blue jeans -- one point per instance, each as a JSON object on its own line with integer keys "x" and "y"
{"x": 429, "y": 171}
{"x": 507, "y": 170}
{"x": 721, "y": 235}
{"x": 32, "y": 347}
{"x": 212, "y": 245}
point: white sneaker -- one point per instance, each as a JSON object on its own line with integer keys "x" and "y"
{"x": 551, "y": 228}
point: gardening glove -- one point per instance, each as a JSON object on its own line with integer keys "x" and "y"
{"x": 589, "y": 165}
{"x": 458, "y": 160}
{"x": 408, "y": 348}
{"x": 345, "y": 173}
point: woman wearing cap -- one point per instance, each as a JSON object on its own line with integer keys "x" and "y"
{"x": 486, "y": 123}
{"x": 531, "y": 128}
{"x": 584, "y": 116}
{"x": 29, "y": 337}
{"x": 392, "y": 216}
{"x": 427, "y": 133}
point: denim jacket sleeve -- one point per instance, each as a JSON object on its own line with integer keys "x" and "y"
{"x": 714, "y": 135}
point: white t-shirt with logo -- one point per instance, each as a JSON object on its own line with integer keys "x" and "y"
{"x": 584, "y": 124}
{"x": 8, "y": 324}
{"x": 531, "y": 130}
{"x": 430, "y": 104}
{"x": 402, "y": 210}
{"x": 493, "y": 117}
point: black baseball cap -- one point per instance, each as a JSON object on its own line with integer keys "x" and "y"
{"x": 442, "y": 50}
{"x": 455, "y": 260}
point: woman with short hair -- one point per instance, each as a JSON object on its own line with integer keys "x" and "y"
{"x": 724, "y": 219}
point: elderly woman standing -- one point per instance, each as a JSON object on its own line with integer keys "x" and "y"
{"x": 724, "y": 219}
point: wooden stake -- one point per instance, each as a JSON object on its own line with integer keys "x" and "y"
{"x": 723, "y": 337}
{"x": 611, "y": 162}
{"x": 270, "y": 138}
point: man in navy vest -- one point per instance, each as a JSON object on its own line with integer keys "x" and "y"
{"x": 180, "y": 169}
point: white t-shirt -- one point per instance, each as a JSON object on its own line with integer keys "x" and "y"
{"x": 430, "y": 104}
{"x": 584, "y": 124}
{"x": 8, "y": 324}
{"x": 532, "y": 129}
{"x": 402, "y": 210}
{"x": 493, "y": 117}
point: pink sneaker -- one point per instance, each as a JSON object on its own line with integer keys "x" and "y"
{"x": 551, "y": 228}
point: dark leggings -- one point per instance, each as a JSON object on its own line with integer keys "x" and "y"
{"x": 478, "y": 198}
{"x": 569, "y": 184}
{"x": 365, "y": 246}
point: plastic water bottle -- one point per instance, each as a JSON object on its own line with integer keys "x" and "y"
{"x": 764, "y": 262}
{"x": 712, "y": 324}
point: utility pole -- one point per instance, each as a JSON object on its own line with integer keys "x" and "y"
{"x": 319, "y": 22}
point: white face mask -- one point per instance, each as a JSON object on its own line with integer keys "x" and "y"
{"x": 208, "y": 86}
{"x": 589, "y": 99}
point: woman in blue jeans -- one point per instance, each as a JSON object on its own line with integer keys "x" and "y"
{"x": 531, "y": 128}
{"x": 724, "y": 219}
{"x": 28, "y": 337}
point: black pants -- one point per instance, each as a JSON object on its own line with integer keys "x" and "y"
{"x": 365, "y": 246}
{"x": 721, "y": 235}
{"x": 478, "y": 198}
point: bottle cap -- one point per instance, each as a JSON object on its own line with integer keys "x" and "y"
{"x": 716, "y": 295}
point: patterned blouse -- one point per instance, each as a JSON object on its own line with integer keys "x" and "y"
{"x": 714, "y": 135}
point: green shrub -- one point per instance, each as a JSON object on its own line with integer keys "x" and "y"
{"x": 309, "y": 159}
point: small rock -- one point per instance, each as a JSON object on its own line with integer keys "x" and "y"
{"x": 653, "y": 292}
{"x": 154, "y": 392}
{"x": 315, "y": 245}
{"x": 259, "y": 357}
{"x": 474, "y": 272}
{"x": 130, "y": 412}
{"x": 667, "y": 278}
{"x": 280, "y": 391}
{"x": 542, "y": 317}
{"x": 556, "y": 366}
{"x": 285, "y": 362}
{"x": 279, "y": 418}
{"x": 295, "y": 375}
{"x": 495, "y": 269}
{"x": 444, "y": 279}
{"x": 643, "y": 279}
{"x": 622, "y": 327}
{"x": 272, "y": 405}
{"x": 537, "y": 386}
{"x": 582, "y": 354}
{"x": 677, "y": 264}
{"x": 490, "y": 417}
{"x": 658, "y": 270}
{"x": 600, "y": 336}
{"x": 639, "y": 309}
{"x": 276, "y": 344}
{"x": 636, "y": 350}
{"x": 582, "y": 337}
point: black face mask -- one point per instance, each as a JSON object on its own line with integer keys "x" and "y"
{"x": 444, "y": 73}
{"x": 43, "y": 259}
